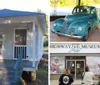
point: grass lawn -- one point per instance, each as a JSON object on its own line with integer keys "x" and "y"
{"x": 42, "y": 74}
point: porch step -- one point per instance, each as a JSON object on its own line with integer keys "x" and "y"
{"x": 7, "y": 83}
{"x": 2, "y": 68}
{"x": 8, "y": 74}
{"x": 7, "y": 80}
{"x": 8, "y": 77}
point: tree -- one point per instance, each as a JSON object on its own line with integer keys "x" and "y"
{"x": 72, "y": 3}
{"x": 79, "y": 1}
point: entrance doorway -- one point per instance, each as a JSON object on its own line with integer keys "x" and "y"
{"x": 77, "y": 68}
{"x": 20, "y": 45}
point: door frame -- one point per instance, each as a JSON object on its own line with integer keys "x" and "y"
{"x": 19, "y": 45}
{"x": 75, "y": 63}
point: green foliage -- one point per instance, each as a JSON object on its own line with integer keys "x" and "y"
{"x": 72, "y": 3}
{"x": 42, "y": 74}
{"x": 45, "y": 42}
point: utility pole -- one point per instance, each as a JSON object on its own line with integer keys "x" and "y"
{"x": 79, "y": 1}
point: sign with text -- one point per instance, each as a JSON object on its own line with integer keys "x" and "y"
{"x": 74, "y": 47}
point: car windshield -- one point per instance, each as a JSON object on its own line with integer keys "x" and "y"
{"x": 81, "y": 10}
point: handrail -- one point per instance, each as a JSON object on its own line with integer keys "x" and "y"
{"x": 19, "y": 63}
{"x": 19, "y": 59}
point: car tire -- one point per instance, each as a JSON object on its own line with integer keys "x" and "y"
{"x": 85, "y": 37}
{"x": 59, "y": 35}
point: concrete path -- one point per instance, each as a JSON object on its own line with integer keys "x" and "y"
{"x": 76, "y": 82}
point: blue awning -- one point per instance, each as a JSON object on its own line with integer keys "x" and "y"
{"x": 15, "y": 13}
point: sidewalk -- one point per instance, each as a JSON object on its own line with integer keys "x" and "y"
{"x": 76, "y": 82}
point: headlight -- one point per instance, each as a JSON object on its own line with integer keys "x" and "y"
{"x": 54, "y": 24}
{"x": 80, "y": 28}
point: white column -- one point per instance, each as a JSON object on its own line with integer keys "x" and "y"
{"x": 34, "y": 44}
{"x": 29, "y": 43}
{"x": 40, "y": 48}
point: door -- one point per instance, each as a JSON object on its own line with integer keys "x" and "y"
{"x": 77, "y": 67}
{"x": 20, "y": 45}
{"x": 71, "y": 66}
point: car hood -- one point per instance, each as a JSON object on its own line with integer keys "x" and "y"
{"x": 75, "y": 17}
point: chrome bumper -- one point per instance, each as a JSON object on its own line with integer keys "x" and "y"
{"x": 72, "y": 36}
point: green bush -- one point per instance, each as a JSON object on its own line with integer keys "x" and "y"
{"x": 45, "y": 43}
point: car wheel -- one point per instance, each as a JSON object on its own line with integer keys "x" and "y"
{"x": 58, "y": 34}
{"x": 85, "y": 37}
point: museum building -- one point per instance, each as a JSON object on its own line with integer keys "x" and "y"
{"x": 61, "y": 59}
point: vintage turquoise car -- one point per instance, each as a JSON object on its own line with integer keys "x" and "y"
{"x": 78, "y": 25}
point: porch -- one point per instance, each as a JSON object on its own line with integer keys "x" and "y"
{"x": 13, "y": 38}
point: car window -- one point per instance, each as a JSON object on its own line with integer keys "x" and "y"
{"x": 81, "y": 10}
{"x": 93, "y": 11}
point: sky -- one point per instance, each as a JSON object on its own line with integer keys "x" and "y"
{"x": 25, "y": 5}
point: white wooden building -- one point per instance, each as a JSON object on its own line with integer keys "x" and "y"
{"x": 21, "y": 32}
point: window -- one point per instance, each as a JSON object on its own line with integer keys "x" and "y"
{"x": 20, "y": 37}
{"x": 81, "y": 10}
{"x": 93, "y": 11}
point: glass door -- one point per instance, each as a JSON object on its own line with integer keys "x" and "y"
{"x": 77, "y": 67}
{"x": 80, "y": 68}
{"x": 71, "y": 66}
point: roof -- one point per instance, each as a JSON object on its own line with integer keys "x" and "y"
{"x": 15, "y": 13}
{"x": 86, "y": 6}
{"x": 8, "y": 14}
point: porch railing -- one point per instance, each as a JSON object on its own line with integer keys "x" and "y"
{"x": 18, "y": 67}
{"x": 17, "y": 49}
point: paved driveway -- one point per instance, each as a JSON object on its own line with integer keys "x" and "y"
{"x": 93, "y": 37}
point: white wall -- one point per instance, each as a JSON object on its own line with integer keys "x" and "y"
{"x": 7, "y": 32}
{"x": 40, "y": 48}
{"x": 40, "y": 40}
{"x": 30, "y": 41}
{"x": 38, "y": 43}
